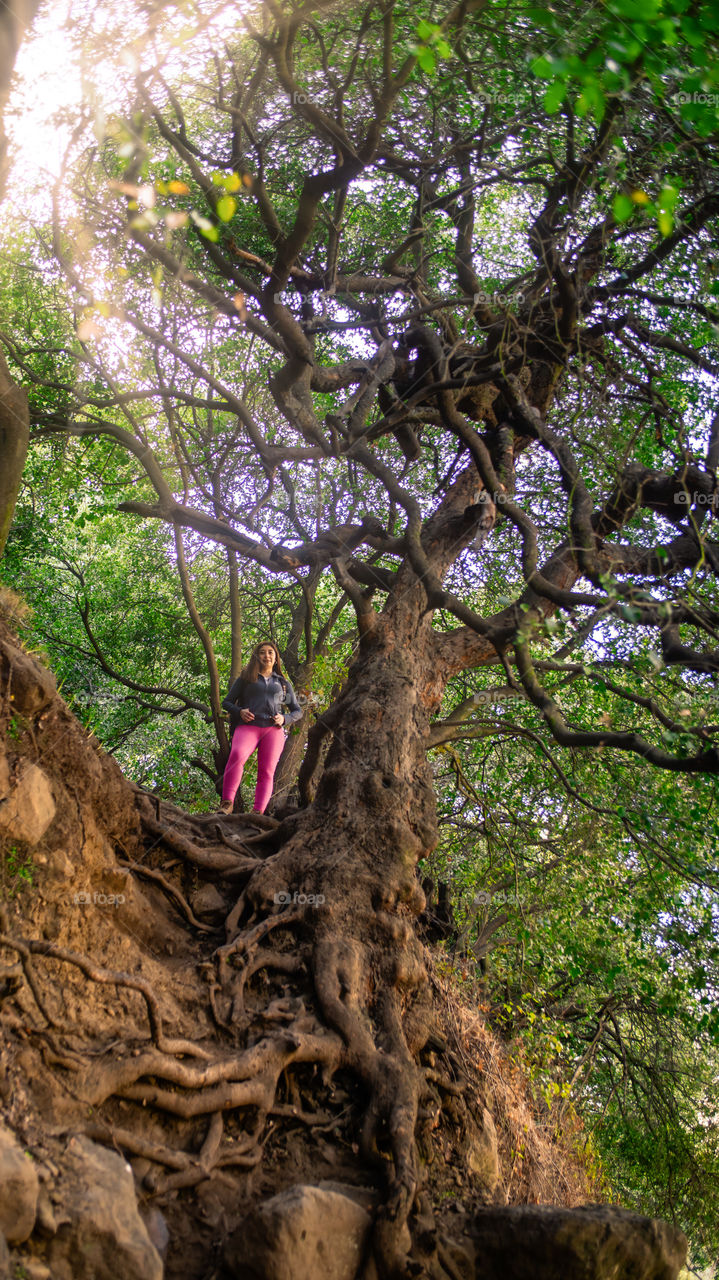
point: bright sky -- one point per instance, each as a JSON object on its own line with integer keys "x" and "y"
{"x": 47, "y": 78}
{"x": 81, "y": 62}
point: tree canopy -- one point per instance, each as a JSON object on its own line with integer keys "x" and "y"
{"x": 391, "y": 332}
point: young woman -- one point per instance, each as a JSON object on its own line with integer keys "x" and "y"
{"x": 254, "y": 703}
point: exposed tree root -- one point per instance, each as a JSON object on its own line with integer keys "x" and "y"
{"x": 172, "y": 891}
{"x": 23, "y": 950}
{"x": 189, "y": 1169}
{"x": 49, "y": 951}
{"x": 262, "y": 820}
{"x": 321, "y": 972}
{"x": 211, "y": 860}
{"x": 245, "y": 942}
{"x": 266, "y": 960}
{"x": 249, "y": 1080}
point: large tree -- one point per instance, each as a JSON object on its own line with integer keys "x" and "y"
{"x": 14, "y": 421}
{"x": 420, "y": 302}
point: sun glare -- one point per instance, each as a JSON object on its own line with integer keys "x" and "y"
{"x": 76, "y": 70}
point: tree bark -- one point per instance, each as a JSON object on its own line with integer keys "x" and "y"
{"x": 354, "y": 852}
{"x": 14, "y": 437}
{"x": 14, "y": 417}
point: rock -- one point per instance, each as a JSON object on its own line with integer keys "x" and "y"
{"x": 46, "y": 1221}
{"x": 4, "y": 776}
{"x": 19, "y": 1188}
{"x": 30, "y": 808}
{"x": 594, "y": 1242}
{"x": 31, "y": 686}
{"x": 59, "y": 865}
{"x": 157, "y": 1230}
{"x": 208, "y": 901}
{"x": 302, "y": 1233}
{"x": 482, "y": 1154}
{"x": 105, "y": 1236}
{"x": 5, "y": 1271}
{"x": 367, "y": 1197}
{"x": 370, "y": 1200}
{"x": 34, "y": 1269}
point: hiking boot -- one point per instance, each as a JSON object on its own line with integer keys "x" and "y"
{"x": 226, "y": 807}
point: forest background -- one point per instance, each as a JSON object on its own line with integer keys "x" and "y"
{"x": 521, "y": 271}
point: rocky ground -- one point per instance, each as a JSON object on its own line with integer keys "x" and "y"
{"x": 136, "y": 1141}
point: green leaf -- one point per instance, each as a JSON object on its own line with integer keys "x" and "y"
{"x": 427, "y": 60}
{"x": 668, "y": 197}
{"x": 543, "y": 18}
{"x": 622, "y": 207}
{"x": 554, "y": 97}
{"x": 544, "y": 68}
{"x": 226, "y": 208}
{"x": 636, "y": 10}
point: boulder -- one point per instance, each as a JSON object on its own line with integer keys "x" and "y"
{"x": 157, "y": 1230}
{"x": 30, "y": 685}
{"x": 482, "y": 1154}
{"x": 33, "y": 1269}
{"x": 102, "y": 1235}
{"x": 19, "y": 1187}
{"x": 30, "y": 807}
{"x": 208, "y": 901}
{"x": 594, "y": 1242}
{"x": 303, "y": 1233}
{"x": 5, "y": 1272}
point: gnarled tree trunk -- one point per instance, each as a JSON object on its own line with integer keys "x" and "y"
{"x": 345, "y": 871}
{"x": 14, "y": 418}
{"x": 14, "y": 437}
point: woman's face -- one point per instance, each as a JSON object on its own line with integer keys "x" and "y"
{"x": 266, "y": 655}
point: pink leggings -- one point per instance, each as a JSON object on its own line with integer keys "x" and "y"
{"x": 269, "y": 741}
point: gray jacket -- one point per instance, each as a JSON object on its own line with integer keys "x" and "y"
{"x": 264, "y": 698}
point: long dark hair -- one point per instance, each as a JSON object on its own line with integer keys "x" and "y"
{"x": 251, "y": 670}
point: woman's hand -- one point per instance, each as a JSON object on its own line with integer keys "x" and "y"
{"x": 279, "y": 720}
{"x": 246, "y": 715}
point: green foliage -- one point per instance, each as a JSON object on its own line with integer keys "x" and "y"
{"x": 431, "y": 46}
{"x": 587, "y": 885}
{"x": 595, "y": 915}
{"x": 598, "y": 57}
{"x": 18, "y": 871}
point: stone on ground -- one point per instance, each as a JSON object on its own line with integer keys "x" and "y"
{"x": 594, "y": 1242}
{"x": 19, "y": 1187}
{"x": 105, "y": 1237}
{"x": 302, "y": 1233}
